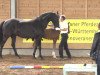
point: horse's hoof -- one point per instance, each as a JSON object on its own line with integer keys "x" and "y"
{"x": 42, "y": 58}
{"x": 55, "y": 58}
{"x": 34, "y": 57}
{"x": 18, "y": 56}
{"x": 1, "y": 57}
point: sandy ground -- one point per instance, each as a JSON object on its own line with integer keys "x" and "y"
{"x": 10, "y": 60}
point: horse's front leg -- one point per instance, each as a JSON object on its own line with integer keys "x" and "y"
{"x": 39, "y": 45}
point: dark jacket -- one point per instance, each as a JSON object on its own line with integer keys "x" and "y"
{"x": 96, "y": 46}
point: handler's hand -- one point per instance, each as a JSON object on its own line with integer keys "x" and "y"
{"x": 57, "y": 28}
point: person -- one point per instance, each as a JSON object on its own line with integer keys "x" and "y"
{"x": 95, "y": 49}
{"x": 64, "y": 30}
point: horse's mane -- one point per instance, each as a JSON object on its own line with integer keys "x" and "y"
{"x": 36, "y": 18}
{"x": 44, "y": 14}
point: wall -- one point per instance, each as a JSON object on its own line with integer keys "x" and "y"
{"x": 4, "y": 9}
{"x": 29, "y": 9}
{"x": 33, "y": 8}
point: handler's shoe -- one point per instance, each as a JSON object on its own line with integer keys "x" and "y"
{"x": 69, "y": 57}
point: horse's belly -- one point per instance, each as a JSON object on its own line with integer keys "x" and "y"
{"x": 25, "y": 35}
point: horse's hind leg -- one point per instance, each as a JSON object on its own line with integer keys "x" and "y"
{"x": 2, "y": 44}
{"x": 39, "y": 45}
{"x": 13, "y": 37}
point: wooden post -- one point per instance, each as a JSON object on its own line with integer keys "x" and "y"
{"x": 13, "y": 9}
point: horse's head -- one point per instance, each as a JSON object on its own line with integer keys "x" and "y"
{"x": 55, "y": 19}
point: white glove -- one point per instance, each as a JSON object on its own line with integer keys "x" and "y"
{"x": 57, "y": 28}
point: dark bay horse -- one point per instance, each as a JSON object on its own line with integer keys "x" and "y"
{"x": 33, "y": 29}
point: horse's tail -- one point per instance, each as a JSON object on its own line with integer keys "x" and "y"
{"x": 1, "y": 33}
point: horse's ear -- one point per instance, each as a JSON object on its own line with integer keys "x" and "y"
{"x": 57, "y": 13}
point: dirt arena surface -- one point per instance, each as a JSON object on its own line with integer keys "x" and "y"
{"x": 10, "y": 60}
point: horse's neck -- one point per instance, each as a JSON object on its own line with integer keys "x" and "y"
{"x": 45, "y": 23}
{"x": 44, "y": 20}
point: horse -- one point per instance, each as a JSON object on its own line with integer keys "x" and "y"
{"x": 33, "y": 29}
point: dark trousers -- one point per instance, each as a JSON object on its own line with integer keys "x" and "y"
{"x": 98, "y": 67}
{"x": 63, "y": 44}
